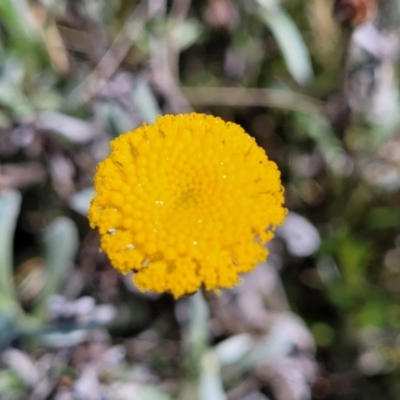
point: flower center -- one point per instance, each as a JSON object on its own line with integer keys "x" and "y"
{"x": 186, "y": 198}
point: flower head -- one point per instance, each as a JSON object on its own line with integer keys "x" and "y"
{"x": 187, "y": 201}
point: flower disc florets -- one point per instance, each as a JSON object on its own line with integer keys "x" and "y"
{"x": 187, "y": 201}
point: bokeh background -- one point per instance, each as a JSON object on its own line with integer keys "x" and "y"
{"x": 318, "y": 90}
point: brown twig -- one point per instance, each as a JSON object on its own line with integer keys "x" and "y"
{"x": 111, "y": 60}
{"x": 165, "y": 59}
{"x": 245, "y": 97}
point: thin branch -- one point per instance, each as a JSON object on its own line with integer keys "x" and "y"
{"x": 245, "y": 97}
{"x": 164, "y": 79}
{"x": 165, "y": 58}
{"x": 112, "y": 59}
{"x": 180, "y": 9}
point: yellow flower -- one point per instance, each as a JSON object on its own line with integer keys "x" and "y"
{"x": 187, "y": 201}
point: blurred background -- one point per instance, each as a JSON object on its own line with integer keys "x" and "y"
{"x": 316, "y": 83}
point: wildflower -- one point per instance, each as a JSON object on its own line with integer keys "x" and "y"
{"x": 188, "y": 201}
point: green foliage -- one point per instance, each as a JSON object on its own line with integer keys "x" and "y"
{"x": 60, "y": 243}
{"x": 74, "y": 75}
{"x": 9, "y": 209}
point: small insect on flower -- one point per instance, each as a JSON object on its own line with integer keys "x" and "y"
{"x": 188, "y": 201}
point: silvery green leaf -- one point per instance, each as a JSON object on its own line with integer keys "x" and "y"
{"x": 197, "y": 337}
{"x": 320, "y": 130}
{"x": 73, "y": 129}
{"x": 145, "y": 100}
{"x": 11, "y": 94}
{"x": 113, "y": 117}
{"x": 59, "y": 339}
{"x": 60, "y": 241}
{"x": 328, "y": 270}
{"x": 8, "y": 328}
{"x": 288, "y": 37}
{"x": 10, "y": 202}
{"x": 80, "y": 201}
{"x": 17, "y": 16}
{"x": 233, "y": 349}
{"x": 11, "y": 385}
{"x": 103, "y": 314}
{"x": 132, "y": 390}
{"x": 22, "y": 364}
{"x": 185, "y": 33}
{"x": 300, "y": 236}
{"x": 210, "y": 382}
{"x": 151, "y": 393}
{"x": 286, "y": 333}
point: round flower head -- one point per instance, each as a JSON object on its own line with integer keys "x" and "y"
{"x": 188, "y": 201}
